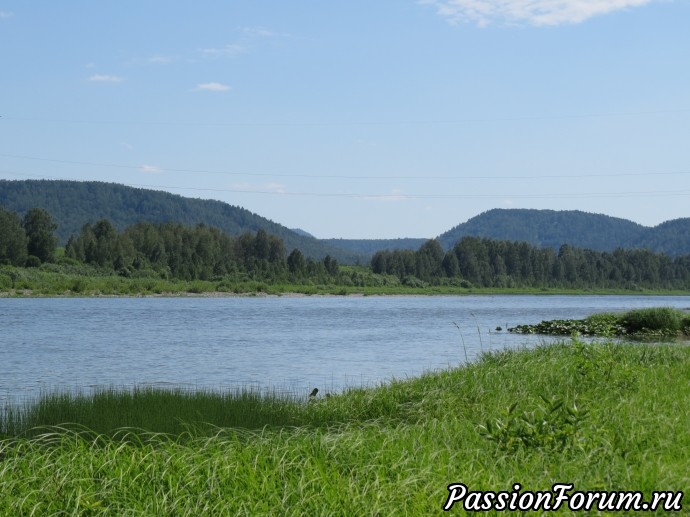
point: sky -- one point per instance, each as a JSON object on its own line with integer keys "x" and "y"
{"x": 357, "y": 119}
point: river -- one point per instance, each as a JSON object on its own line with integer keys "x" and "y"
{"x": 290, "y": 342}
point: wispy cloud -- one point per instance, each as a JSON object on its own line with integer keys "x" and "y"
{"x": 259, "y": 31}
{"x": 212, "y": 87}
{"x": 101, "y": 78}
{"x": 150, "y": 169}
{"x": 531, "y": 12}
{"x": 5, "y": 15}
{"x": 160, "y": 60}
{"x": 226, "y": 51}
{"x": 395, "y": 195}
{"x": 263, "y": 32}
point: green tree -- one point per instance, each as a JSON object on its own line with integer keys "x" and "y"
{"x": 331, "y": 265}
{"x": 101, "y": 244}
{"x": 296, "y": 263}
{"x": 41, "y": 241}
{"x": 450, "y": 264}
{"x": 13, "y": 249}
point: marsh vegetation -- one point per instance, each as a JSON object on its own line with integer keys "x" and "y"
{"x": 653, "y": 322}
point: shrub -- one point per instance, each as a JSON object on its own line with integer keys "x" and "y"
{"x": 685, "y": 326}
{"x": 656, "y": 318}
{"x": 33, "y": 261}
{"x": 6, "y": 282}
{"x": 413, "y": 281}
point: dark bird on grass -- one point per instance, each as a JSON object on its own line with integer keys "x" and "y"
{"x": 313, "y": 393}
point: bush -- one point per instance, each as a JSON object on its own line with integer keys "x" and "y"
{"x": 413, "y": 281}
{"x": 6, "y": 282}
{"x": 145, "y": 273}
{"x": 656, "y": 318}
{"x": 685, "y": 324}
{"x": 33, "y": 261}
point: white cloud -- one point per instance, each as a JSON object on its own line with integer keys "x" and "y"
{"x": 212, "y": 87}
{"x": 263, "y": 32}
{"x": 160, "y": 60}
{"x": 226, "y": 51}
{"x": 150, "y": 169}
{"x": 5, "y": 14}
{"x": 532, "y": 12}
{"x": 259, "y": 31}
{"x": 100, "y": 78}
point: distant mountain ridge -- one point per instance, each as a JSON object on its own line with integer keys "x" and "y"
{"x": 553, "y": 228}
{"x": 76, "y": 203}
{"x": 371, "y": 246}
{"x": 548, "y": 228}
{"x": 73, "y": 204}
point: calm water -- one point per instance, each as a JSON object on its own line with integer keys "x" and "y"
{"x": 293, "y": 343}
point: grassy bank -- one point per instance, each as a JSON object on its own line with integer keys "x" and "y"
{"x": 601, "y": 416}
{"x": 87, "y": 281}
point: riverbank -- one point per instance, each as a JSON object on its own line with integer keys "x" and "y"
{"x": 65, "y": 281}
{"x": 212, "y": 289}
{"x": 602, "y": 416}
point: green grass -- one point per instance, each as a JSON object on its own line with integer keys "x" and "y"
{"x": 606, "y": 416}
{"x": 174, "y": 412}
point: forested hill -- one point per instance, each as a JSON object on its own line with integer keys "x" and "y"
{"x": 551, "y": 229}
{"x": 73, "y": 204}
{"x": 371, "y": 246}
{"x": 671, "y": 237}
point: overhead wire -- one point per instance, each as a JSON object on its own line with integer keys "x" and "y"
{"x": 350, "y": 176}
{"x": 332, "y": 123}
{"x": 400, "y": 196}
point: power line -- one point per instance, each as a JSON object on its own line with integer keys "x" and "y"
{"x": 418, "y": 122}
{"x": 350, "y": 177}
{"x": 400, "y": 197}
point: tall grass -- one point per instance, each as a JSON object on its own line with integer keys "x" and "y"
{"x": 655, "y": 319}
{"x": 604, "y": 416}
{"x": 167, "y": 411}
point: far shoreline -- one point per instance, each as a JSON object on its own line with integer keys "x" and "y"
{"x": 329, "y": 293}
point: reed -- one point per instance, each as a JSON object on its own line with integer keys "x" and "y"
{"x": 169, "y": 411}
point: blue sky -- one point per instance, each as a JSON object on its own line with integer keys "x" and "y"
{"x": 358, "y": 119}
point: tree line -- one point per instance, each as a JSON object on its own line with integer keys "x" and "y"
{"x": 173, "y": 250}
{"x": 168, "y": 250}
{"x": 491, "y": 263}
{"x": 176, "y": 251}
{"x": 72, "y": 204}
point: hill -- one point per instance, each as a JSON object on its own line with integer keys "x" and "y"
{"x": 303, "y": 233}
{"x": 671, "y": 237}
{"x": 548, "y": 229}
{"x": 74, "y": 204}
{"x": 552, "y": 228}
{"x": 370, "y": 246}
